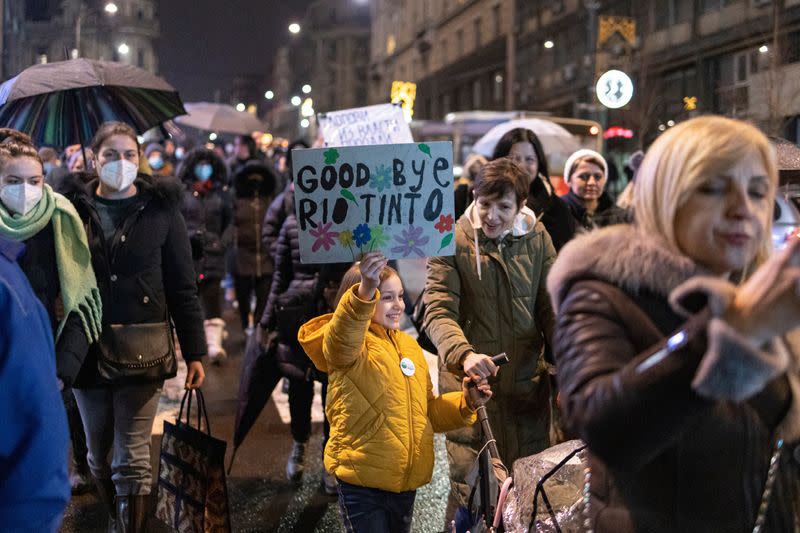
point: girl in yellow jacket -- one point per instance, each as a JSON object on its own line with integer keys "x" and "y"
{"x": 380, "y": 402}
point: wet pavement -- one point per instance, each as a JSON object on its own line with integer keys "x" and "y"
{"x": 261, "y": 499}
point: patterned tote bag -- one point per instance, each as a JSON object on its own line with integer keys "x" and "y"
{"x": 192, "y": 493}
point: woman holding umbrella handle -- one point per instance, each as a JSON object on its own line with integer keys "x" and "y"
{"x": 142, "y": 256}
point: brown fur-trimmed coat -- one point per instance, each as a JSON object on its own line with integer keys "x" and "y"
{"x": 665, "y": 454}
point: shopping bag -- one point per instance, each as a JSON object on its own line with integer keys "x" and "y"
{"x": 192, "y": 492}
{"x": 547, "y": 496}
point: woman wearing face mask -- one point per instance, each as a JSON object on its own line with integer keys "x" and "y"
{"x": 674, "y": 344}
{"x": 490, "y": 298}
{"x": 159, "y": 165}
{"x": 207, "y": 208}
{"x": 143, "y": 260}
{"x": 524, "y": 148}
{"x": 50, "y": 228}
{"x": 586, "y": 173}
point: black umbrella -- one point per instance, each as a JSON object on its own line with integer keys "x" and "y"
{"x": 260, "y": 375}
{"x": 64, "y": 103}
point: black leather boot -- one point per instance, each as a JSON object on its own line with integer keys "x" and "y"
{"x": 132, "y": 513}
{"x": 106, "y": 493}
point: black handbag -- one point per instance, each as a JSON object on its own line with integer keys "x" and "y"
{"x": 138, "y": 351}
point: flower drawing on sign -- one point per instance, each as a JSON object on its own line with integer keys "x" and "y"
{"x": 362, "y": 235}
{"x": 346, "y": 240}
{"x": 325, "y": 237}
{"x": 381, "y": 178}
{"x": 380, "y": 238}
{"x": 411, "y": 240}
{"x": 445, "y": 223}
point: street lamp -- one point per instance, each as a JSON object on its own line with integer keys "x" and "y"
{"x": 111, "y": 8}
{"x": 304, "y": 123}
{"x": 306, "y": 88}
{"x": 296, "y": 101}
{"x": 240, "y": 107}
{"x": 123, "y": 49}
{"x": 294, "y": 28}
{"x": 549, "y": 44}
{"x": 269, "y": 95}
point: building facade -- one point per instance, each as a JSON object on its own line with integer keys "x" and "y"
{"x": 331, "y": 55}
{"x": 122, "y": 30}
{"x": 339, "y": 35}
{"x": 458, "y": 52}
{"x": 12, "y": 32}
{"x": 734, "y": 57}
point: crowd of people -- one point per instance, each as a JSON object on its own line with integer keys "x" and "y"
{"x": 658, "y": 329}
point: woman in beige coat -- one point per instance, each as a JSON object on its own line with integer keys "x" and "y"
{"x": 488, "y": 298}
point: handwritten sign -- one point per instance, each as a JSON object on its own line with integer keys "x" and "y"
{"x": 397, "y": 199}
{"x": 377, "y": 124}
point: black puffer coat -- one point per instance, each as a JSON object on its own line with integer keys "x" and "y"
{"x": 146, "y": 268}
{"x": 273, "y": 220}
{"x": 294, "y": 298}
{"x": 607, "y": 213}
{"x": 42, "y": 273}
{"x": 664, "y": 458}
{"x": 207, "y": 209}
{"x": 553, "y": 212}
{"x": 255, "y": 186}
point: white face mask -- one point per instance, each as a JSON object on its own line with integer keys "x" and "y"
{"x": 119, "y": 175}
{"x": 21, "y": 197}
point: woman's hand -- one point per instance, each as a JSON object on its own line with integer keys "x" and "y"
{"x": 768, "y": 304}
{"x": 195, "y": 375}
{"x": 479, "y": 367}
{"x": 371, "y": 266}
{"x": 481, "y": 395}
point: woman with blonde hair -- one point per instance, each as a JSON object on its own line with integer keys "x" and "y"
{"x": 672, "y": 349}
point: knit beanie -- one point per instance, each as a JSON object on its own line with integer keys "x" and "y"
{"x": 153, "y": 147}
{"x": 584, "y": 152}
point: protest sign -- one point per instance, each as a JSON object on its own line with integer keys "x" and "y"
{"x": 397, "y": 199}
{"x": 376, "y": 124}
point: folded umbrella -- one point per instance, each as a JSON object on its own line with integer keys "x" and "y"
{"x": 260, "y": 375}
{"x": 64, "y": 103}
{"x": 219, "y": 118}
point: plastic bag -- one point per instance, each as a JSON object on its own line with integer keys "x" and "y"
{"x": 563, "y": 490}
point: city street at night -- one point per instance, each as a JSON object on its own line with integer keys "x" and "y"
{"x": 400, "y": 266}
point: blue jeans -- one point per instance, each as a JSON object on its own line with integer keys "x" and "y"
{"x": 366, "y": 510}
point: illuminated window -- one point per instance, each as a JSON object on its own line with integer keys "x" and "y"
{"x": 391, "y": 44}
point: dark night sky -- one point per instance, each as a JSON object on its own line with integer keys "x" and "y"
{"x": 205, "y": 43}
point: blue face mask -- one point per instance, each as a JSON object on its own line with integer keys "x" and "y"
{"x": 203, "y": 171}
{"x": 156, "y": 163}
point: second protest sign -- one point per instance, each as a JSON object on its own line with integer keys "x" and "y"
{"x": 394, "y": 198}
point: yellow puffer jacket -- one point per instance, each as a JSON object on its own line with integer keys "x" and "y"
{"x": 382, "y": 422}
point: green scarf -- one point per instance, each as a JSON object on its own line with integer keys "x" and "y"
{"x": 79, "y": 292}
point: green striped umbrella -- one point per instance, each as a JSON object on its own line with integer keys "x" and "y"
{"x": 64, "y": 103}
